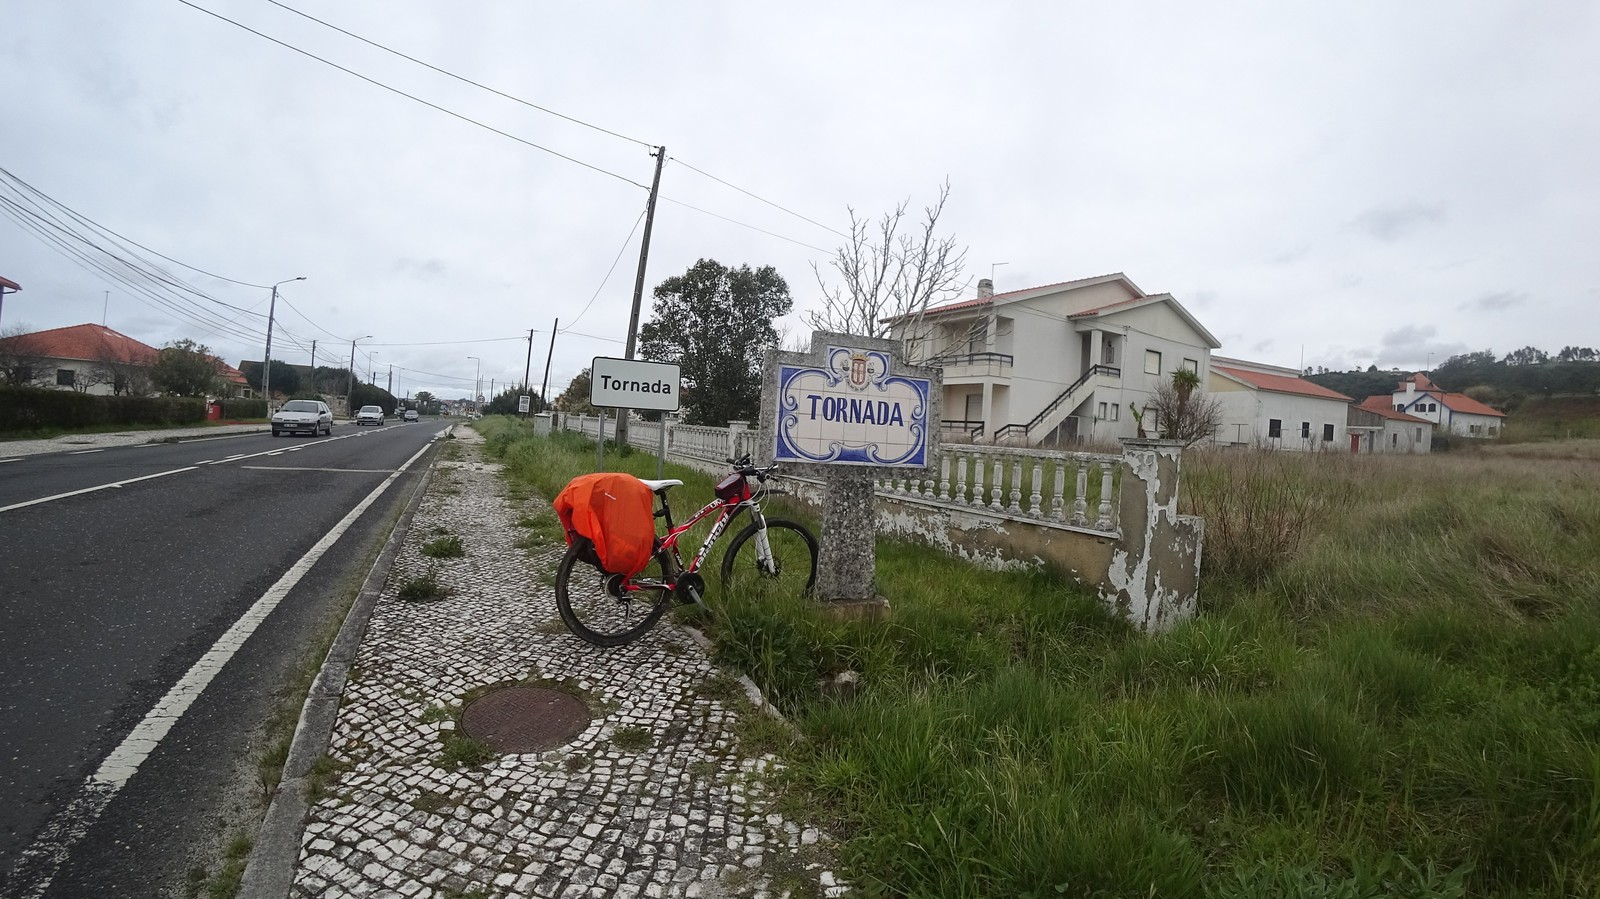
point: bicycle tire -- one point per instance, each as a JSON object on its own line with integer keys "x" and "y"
{"x": 593, "y": 613}
{"x": 795, "y": 552}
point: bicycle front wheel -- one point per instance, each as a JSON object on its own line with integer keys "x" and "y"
{"x": 785, "y": 567}
{"x": 596, "y": 608}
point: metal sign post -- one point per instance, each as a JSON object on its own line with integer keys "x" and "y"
{"x": 624, "y": 384}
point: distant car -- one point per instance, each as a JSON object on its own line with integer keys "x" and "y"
{"x": 303, "y": 416}
{"x": 370, "y": 415}
{"x": 411, "y": 415}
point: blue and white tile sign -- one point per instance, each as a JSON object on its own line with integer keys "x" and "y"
{"x": 851, "y": 411}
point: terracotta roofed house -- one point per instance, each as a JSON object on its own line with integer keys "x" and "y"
{"x": 1376, "y": 427}
{"x": 1456, "y": 413}
{"x": 88, "y": 358}
{"x": 1053, "y": 364}
{"x": 1272, "y": 407}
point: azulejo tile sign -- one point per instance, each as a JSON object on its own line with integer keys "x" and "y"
{"x": 851, "y": 410}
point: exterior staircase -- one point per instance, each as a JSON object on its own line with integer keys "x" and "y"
{"x": 1057, "y": 410}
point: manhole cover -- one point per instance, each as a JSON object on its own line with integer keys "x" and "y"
{"x": 525, "y": 719}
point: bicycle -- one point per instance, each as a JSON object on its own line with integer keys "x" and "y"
{"x": 775, "y": 555}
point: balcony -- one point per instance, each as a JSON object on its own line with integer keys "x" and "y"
{"x": 973, "y": 365}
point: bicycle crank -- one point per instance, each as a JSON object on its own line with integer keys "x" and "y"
{"x": 690, "y": 588}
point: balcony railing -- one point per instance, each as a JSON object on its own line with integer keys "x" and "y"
{"x": 972, "y": 359}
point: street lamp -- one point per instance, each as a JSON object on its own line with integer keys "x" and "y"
{"x": 266, "y": 357}
{"x": 476, "y": 377}
{"x": 350, "y": 384}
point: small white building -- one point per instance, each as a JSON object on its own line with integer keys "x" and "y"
{"x": 1375, "y": 427}
{"x": 1456, "y": 413}
{"x": 1054, "y": 364}
{"x": 1272, "y": 407}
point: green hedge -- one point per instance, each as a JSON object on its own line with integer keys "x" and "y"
{"x": 34, "y": 408}
{"x": 239, "y": 407}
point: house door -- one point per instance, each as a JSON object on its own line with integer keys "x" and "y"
{"x": 1355, "y": 443}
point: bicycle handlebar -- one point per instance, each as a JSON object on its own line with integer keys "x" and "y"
{"x": 744, "y": 466}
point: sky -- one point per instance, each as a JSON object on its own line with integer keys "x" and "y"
{"x": 1320, "y": 184}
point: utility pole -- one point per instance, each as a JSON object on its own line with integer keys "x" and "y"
{"x": 350, "y": 384}
{"x": 638, "y": 283}
{"x": 391, "y": 379}
{"x": 313, "y": 365}
{"x": 528, "y": 368}
{"x": 266, "y": 357}
{"x": 544, "y": 397}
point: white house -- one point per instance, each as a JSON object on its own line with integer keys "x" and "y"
{"x": 1375, "y": 427}
{"x": 1454, "y": 412}
{"x": 1272, "y": 407}
{"x": 1054, "y": 364}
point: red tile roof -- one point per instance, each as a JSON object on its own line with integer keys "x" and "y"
{"x": 90, "y": 343}
{"x": 1384, "y": 406}
{"x": 1460, "y": 402}
{"x": 985, "y": 301}
{"x": 1281, "y": 383}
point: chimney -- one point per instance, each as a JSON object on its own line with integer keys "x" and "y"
{"x": 985, "y": 288}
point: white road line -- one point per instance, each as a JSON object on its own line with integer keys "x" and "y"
{"x": 337, "y": 470}
{"x": 17, "y": 459}
{"x": 46, "y": 499}
{"x": 57, "y": 839}
{"x": 85, "y": 452}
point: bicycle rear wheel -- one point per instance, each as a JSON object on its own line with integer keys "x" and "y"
{"x": 590, "y": 604}
{"x": 791, "y": 570}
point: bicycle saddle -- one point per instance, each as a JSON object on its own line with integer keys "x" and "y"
{"x": 658, "y": 486}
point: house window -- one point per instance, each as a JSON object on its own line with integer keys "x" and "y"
{"x": 1113, "y": 411}
{"x": 1473, "y": 430}
{"x": 1305, "y": 430}
{"x": 65, "y": 377}
{"x": 1394, "y": 439}
{"x": 1152, "y": 362}
{"x": 1102, "y": 412}
{"x": 1274, "y": 427}
{"x": 1419, "y": 435}
{"x": 1399, "y": 408}
{"x": 1492, "y": 430}
{"x": 1192, "y": 365}
{"x": 1108, "y": 353}
{"x": 1327, "y": 433}
{"x": 1433, "y": 407}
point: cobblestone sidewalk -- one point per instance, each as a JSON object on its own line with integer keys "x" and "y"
{"x": 652, "y": 799}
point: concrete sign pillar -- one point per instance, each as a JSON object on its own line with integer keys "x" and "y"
{"x": 846, "y": 413}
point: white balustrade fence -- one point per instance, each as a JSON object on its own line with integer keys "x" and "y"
{"x": 1073, "y": 489}
{"x": 1036, "y": 485}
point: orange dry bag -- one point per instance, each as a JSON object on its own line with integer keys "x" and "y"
{"x": 614, "y": 511}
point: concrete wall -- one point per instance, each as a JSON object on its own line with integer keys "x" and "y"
{"x": 1247, "y": 416}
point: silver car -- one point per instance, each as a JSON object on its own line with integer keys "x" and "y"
{"x": 370, "y": 415}
{"x": 303, "y": 416}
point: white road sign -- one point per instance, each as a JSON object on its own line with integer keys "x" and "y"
{"x": 631, "y": 384}
{"x": 524, "y": 403}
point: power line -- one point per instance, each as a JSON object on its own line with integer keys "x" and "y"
{"x": 628, "y": 240}
{"x": 742, "y": 224}
{"x": 461, "y": 78}
{"x": 141, "y": 246}
{"x": 515, "y": 99}
{"x": 754, "y": 196}
{"x": 376, "y": 83}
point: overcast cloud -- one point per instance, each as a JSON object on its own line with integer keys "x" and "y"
{"x": 1329, "y": 184}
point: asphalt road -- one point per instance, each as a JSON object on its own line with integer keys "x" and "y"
{"x": 119, "y": 570}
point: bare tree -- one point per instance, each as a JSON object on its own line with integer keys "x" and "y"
{"x": 1177, "y": 413}
{"x": 22, "y": 362}
{"x": 886, "y": 273}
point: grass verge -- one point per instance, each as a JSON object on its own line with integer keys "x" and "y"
{"x": 1396, "y": 699}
